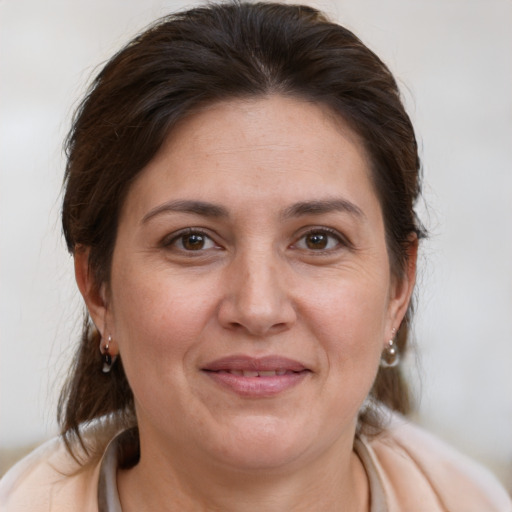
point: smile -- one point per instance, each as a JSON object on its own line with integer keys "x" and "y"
{"x": 256, "y": 377}
{"x": 254, "y": 373}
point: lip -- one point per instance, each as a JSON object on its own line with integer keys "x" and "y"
{"x": 236, "y": 373}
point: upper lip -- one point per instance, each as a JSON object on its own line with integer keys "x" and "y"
{"x": 247, "y": 363}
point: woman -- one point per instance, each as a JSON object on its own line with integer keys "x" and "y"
{"x": 239, "y": 202}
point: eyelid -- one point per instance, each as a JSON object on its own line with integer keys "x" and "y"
{"x": 170, "y": 239}
{"x": 343, "y": 240}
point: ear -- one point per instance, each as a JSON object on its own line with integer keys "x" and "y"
{"x": 402, "y": 288}
{"x": 93, "y": 294}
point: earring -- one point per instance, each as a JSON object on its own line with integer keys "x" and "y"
{"x": 390, "y": 356}
{"x": 108, "y": 360}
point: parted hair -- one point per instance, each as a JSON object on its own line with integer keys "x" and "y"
{"x": 178, "y": 65}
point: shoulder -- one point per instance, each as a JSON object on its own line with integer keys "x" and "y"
{"x": 420, "y": 470}
{"x": 49, "y": 479}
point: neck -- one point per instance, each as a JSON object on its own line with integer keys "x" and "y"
{"x": 335, "y": 480}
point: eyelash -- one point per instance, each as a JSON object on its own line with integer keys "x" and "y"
{"x": 168, "y": 242}
{"x": 341, "y": 241}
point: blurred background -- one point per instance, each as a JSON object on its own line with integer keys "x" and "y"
{"x": 452, "y": 60}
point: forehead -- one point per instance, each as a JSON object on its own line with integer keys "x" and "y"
{"x": 265, "y": 148}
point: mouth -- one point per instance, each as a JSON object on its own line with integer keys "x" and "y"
{"x": 256, "y": 377}
{"x": 256, "y": 373}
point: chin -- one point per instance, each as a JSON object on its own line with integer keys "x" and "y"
{"x": 264, "y": 444}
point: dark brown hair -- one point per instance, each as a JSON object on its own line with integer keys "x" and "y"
{"x": 198, "y": 57}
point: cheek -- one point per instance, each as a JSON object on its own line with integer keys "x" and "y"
{"x": 353, "y": 309}
{"x": 159, "y": 324}
{"x": 345, "y": 320}
{"x": 158, "y": 318}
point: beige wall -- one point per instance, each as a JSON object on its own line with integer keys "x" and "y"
{"x": 453, "y": 61}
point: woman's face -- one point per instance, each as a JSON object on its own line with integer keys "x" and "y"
{"x": 251, "y": 293}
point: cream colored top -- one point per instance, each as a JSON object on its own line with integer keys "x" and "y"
{"x": 408, "y": 470}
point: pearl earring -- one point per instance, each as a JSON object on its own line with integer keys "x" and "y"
{"x": 108, "y": 359}
{"x": 390, "y": 356}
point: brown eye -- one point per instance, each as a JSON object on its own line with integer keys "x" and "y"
{"x": 317, "y": 241}
{"x": 193, "y": 242}
{"x": 190, "y": 241}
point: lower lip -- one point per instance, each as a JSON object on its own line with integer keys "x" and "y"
{"x": 258, "y": 387}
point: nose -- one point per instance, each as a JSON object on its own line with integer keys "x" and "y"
{"x": 257, "y": 298}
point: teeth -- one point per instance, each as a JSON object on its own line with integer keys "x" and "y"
{"x": 250, "y": 373}
{"x": 270, "y": 373}
{"x": 256, "y": 373}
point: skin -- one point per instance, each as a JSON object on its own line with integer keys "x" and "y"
{"x": 267, "y": 277}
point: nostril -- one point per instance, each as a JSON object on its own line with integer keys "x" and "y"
{"x": 258, "y": 330}
{"x": 247, "y": 308}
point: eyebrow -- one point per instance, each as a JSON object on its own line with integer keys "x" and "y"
{"x": 321, "y": 207}
{"x": 186, "y": 206}
{"x": 205, "y": 209}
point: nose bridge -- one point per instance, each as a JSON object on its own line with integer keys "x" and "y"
{"x": 257, "y": 299}
{"x": 260, "y": 288}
